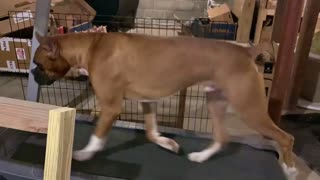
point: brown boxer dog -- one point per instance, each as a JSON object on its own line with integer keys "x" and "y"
{"x": 147, "y": 68}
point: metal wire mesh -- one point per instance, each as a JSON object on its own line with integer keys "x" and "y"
{"x": 185, "y": 109}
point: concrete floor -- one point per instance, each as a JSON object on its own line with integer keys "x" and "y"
{"x": 195, "y": 115}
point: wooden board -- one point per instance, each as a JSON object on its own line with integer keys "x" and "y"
{"x": 236, "y": 6}
{"x": 279, "y": 15}
{"x": 243, "y": 9}
{"x": 24, "y": 115}
{"x": 272, "y": 4}
{"x": 262, "y": 15}
{"x": 59, "y": 144}
{"x": 303, "y": 47}
{"x": 245, "y": 21}
{"x": 57, "y": 122}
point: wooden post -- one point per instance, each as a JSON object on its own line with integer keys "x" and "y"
{"x": 262, "y": 14}
{"x": 244, "y": 10}
{"x": 59, "y": 144}
{"x": 245, "y": 21}
{"x": 278, "y": 21}
{"x": 308, "y": 26}
{"x": 284, "y": 64}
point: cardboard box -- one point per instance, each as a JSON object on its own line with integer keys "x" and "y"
{"x": 220, "y": 13}
{"x": 20, "y": 14}
{"x": 16, "y": 27}
{"x": 268, "y": 86}
{"x": 203, "y": 27}
{"x": 267, "y": 70}
{"x": 15, "y": 54}
{"x": 18, "y": 19}
{"x": 73, "y": 12}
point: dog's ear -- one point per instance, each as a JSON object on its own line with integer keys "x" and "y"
{"x": 49, "y": 44}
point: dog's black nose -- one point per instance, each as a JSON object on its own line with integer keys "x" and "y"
{"x": 41, "y": 77}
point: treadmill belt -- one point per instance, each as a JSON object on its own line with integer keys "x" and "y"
{"x": 129, "y": 155}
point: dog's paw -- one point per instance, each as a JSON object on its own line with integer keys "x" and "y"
{"x": 289, "y": 171}
{"x": 95, "y": 145}
{"x": 83, "y": 155}
{"x": 198, "y": 157}
{"x": 204, "y": 155}
{"x": 168, "y": 144}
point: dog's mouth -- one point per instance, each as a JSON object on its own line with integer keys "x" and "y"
{"x": 41, "y": 77}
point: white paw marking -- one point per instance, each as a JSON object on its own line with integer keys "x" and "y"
{"x": 83, "y": 155}
{"x": 289, "y": 171}
{"x": 204, "y": 155}
{"x": 198, "y": 157}
{"x": 154, "y": 136}
{"x": 95, "y": 145}
{"x": 167, "y": 143}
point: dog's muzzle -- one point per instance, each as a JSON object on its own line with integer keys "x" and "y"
{"x": 41, "y": 77}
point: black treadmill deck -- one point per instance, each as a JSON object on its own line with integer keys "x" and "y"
{"x": 129, "y": 155}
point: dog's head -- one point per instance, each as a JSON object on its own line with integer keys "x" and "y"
{"x": 51, "y": 66}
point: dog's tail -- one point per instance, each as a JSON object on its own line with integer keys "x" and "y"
{"x": 263, "y": 53}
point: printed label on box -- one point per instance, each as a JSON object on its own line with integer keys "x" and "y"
{"x": 11, "y": 65}
{"x": 4, "y": 44}
{"x": 23, "y": 16}
{"x": 21, "y": 55}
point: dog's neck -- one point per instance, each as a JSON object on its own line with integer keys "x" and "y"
{"x": 75, "y": 50}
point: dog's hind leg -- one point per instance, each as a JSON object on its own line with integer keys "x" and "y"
{"x": 250, "y": 101}
{"x": 152, "y": 130}
{"x": 217, "y": 105}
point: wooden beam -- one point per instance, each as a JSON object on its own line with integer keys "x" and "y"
{"x": 57, "y": 122}
{"x": 284, "y": 64}
{"x": 308, "y": 26}
{"x": 59, "y": 144}
{"x": 245, "y": 21}
{"x": 279, "y": 17}
{"x": 236, "y": 6}
{"x": 244, "y": 10}
{"x": 262, "y": 14}
{"x": 24, "y": 115}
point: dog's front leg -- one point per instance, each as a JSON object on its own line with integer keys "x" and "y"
{"x": 152, "y": 130}
{"x": 98, "y": 140}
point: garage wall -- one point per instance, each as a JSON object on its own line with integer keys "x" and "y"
{"x": 184, "y": 9}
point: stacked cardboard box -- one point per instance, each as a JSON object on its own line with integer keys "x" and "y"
{"x": 267, "y": 71}
{"x": 268, "y": 67}
{"x": 16, "y": 27}
{"x": 220, "y": 13}
{"x": 222, "y": 24}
